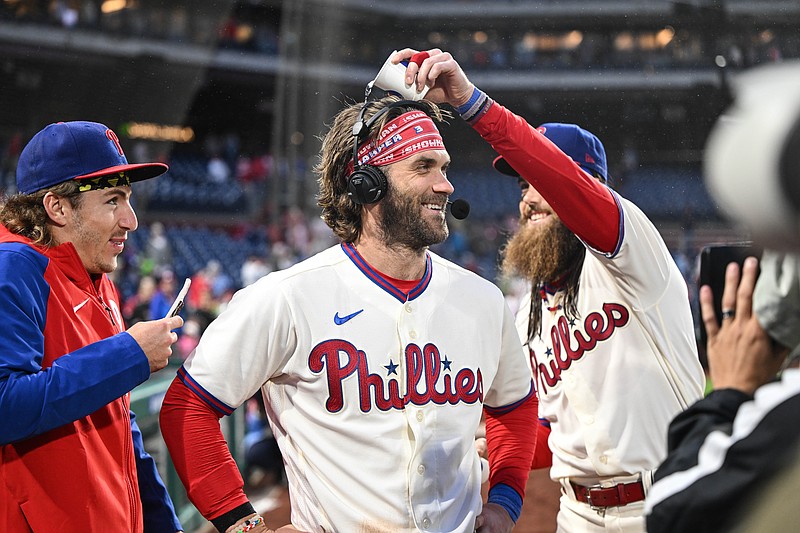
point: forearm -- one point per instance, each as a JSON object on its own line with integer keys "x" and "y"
{"x": 201, "y": 456}
{"x": 511, "y": 439}
{"x": 35, "y": 400}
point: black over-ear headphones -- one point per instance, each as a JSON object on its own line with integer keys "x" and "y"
{"x": 367, "y": 184}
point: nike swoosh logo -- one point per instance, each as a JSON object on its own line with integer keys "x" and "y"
{"x": 77, "y": 307}
{"x": 339, "y": 320}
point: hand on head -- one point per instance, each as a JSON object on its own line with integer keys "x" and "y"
{"x": 741, "y": 355}
{"x": 155, "y": 338}
{"x": 439, "y": 71}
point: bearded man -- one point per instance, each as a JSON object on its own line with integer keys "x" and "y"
{"x": 608, "y": 325}
{"x": 608, "y": 329}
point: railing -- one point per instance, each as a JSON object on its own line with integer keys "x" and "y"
{"x": 146, "y": 402}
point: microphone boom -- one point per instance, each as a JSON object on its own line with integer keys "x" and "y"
{"x": 459, "y": 208}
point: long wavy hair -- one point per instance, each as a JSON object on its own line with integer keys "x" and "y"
{"x": 339, "y": 211}
{"x": 24, "y": 214}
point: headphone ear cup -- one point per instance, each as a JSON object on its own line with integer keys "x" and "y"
{"x": 367, "y": 185}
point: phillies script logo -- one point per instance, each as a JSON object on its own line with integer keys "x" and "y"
{"x": 425, "y": 381}
{"x": 597, "y": 327}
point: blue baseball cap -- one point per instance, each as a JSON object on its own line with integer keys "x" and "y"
{"x": 77, "y": 150}
{"x": 581, "y": 146}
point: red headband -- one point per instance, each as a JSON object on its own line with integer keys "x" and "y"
{"x": 403, "y": 137}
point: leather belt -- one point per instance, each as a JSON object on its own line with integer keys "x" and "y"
{"x": 615, "y": 496}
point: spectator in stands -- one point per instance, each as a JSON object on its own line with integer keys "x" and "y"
{"x": 164, "y": 296}
{"x": 218, "y": 170}
{"x": 190, "y": 336}
{"x": 73, "y": 459}
{"x": 137, "y": 307}
{"x": 219, "y": 280}
{"x": 158, "y": 250}
{"x": 254, "y": 268}
{"x": 607, "y": 321}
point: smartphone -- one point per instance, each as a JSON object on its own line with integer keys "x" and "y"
{"x": 177, "y": 305}
{"x": 714, "y": 259}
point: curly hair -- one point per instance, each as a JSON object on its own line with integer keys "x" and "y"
{"x": 339, "y": 211}
{"x": 24, "y": 214}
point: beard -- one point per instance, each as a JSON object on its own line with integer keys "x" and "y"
{"x": 402, "y": 224}
{"x": 542, "y": 254}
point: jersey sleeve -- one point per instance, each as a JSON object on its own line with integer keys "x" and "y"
{"x": 513, "y": 382}
{"x": 721, "y": 451}
{"x": 246, "y": 345}
{"x": 34, "y": 399}
{"x": 585, "y": 205}
{"x": 201, "y": 456}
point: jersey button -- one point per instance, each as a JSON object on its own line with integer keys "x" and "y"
{"x": 408, "y": 308}
{"x": 421, "y": 469}
{"x": 604, "y": 459}
{"x": 412, "y": 334}
{"x": 426, "y": 522}
{"x": 420, "y": 416}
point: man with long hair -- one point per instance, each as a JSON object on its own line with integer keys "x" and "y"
{"x": 72, "y": 454}
{"x": 607, "y": 323}
{"x": 376, "y": 357}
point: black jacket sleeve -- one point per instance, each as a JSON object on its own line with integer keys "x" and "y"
{"x": 721, "y": 452}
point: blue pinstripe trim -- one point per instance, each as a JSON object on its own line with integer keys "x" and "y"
{"x": 381, "y": 282}
{"x": 203, "y": 394}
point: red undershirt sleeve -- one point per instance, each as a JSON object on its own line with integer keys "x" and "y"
{"x": 191, "y": 430}
{"x": 511, "y": 440}
{"x": 586, "y": 206}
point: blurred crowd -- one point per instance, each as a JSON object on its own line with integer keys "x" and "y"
{"x": 255, "y": 27}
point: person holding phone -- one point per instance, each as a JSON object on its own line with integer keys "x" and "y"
{"x": 726, "y": 449}
{"x": 73, "y": 459}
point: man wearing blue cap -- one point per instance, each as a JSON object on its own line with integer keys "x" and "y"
{"x": 73, "y": 459}
{"x": 608, "y": 325}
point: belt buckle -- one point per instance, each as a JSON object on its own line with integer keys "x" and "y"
{"x": 599, "y": 509}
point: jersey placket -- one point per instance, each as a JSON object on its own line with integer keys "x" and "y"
{"x": 420, "y": 419}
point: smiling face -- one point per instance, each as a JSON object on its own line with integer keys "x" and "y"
{"x": 413, "y": 211}
{"x": 98, "y": 227}
{"x": 543, "y": 248}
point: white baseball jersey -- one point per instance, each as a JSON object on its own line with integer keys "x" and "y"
{"x": 374, "y": 396}
{"x": 611, "y": 381}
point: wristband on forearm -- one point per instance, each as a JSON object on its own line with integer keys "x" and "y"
{"x": 507, "y": 498}
{"x": 234, "y": 516}
{"x": 478, "y": 104}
